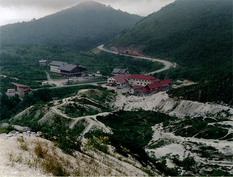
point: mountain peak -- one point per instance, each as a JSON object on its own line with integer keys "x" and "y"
{"x": 90, "y": 5}
{"x": 82, "y": 27}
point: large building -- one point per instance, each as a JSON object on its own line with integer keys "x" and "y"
{"x": 143, "y": 80}
{"x": 66, "y": 69}
{"x": 140, "y": 84}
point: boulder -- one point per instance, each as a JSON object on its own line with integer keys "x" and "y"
{"x": 4, "y": 125}
{"x": 20, "y": 128}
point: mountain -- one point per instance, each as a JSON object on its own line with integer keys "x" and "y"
{"x": 82, "y": 27}
{"x": 196, "y": 34}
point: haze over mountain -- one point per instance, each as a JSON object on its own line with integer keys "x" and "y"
{"x": 81, "y": 27}
{"x": 195, "y": 34}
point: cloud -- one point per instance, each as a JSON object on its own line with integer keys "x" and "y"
{"x": 49, "y": 4}
{"x": 61, "y": 4}
{"x": 19, "y": 10}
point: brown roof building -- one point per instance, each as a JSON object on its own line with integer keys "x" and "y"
{"x": 66, "y": 69}
{"x": 22, "y": 89}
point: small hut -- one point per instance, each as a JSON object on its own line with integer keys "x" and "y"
{"x": 22, "y": 89}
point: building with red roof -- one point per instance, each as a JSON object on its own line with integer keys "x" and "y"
{"x": 157, "y": 87}
{"x": 119, "y": 80}
{"x": 143, "y": 80}
{"x": 144, "y": 90}
{"x": 22, "y": 89}
{"x": 135, "y": 90}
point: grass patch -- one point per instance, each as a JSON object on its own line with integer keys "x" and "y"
{"x": 99, "y": 143}
{"x": 23, "y": 144}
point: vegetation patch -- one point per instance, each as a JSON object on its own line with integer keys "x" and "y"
{"x": 131, "y": 132}
{"x": 6, "y": 129}
{"x": 13, "y": 105}
{"x": 100, "y": 143}
{"x": 217, "y": 90}
{"x": 198, "y": 127}
{"x": 159, "y": 143}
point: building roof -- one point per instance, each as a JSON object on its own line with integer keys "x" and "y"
{"x": 155, "y": 80}
{"x": 167, "y": 81}
{"x": 43, "y": 61}
{"x": 137, "y": 87}
{"x": 154, "y": 85}
{"x": 81, "y": 66}
{"x": 67, "y": 67}
{"x": 121, "y": 78}
{"x": 20, "y": 85}
{"x": 145, "y": 89}
{"x": 119, "y": 71}
{"x": 163, "y": 83}
{"x": 141, "y": 77}
{"x": 57, "y": 63}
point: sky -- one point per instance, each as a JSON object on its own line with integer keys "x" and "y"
{"x": 12, "y": 11}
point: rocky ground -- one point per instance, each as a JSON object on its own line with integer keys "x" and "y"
{"x": 18, "y": 158}
{"x": 114, "y": 164}
{"x": 9, "y": 150}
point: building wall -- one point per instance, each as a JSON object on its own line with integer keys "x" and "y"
{"x": 54, "y": 69}
{"x": 165, "y": 88}
{"x": 134, "y": 91}
{"x": 22, "y": 91}
{"x": 111, "y": 80}
{"x": 136, "y": 82}
{"x": 43, "y": 63}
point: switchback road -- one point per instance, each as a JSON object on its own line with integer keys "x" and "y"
{"x": 167, "y": 64}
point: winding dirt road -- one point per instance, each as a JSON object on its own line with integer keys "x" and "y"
{"x": 90, "y": 119}
{"x": 167, "y": 64}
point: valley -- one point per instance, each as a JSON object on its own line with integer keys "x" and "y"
{"x": 95, "y": 91}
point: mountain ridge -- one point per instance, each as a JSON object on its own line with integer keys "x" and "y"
{"x": 81, "y": 27}
{"x": 194, "y": 34}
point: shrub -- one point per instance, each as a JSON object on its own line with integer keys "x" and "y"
{"x": 23, "y": 144}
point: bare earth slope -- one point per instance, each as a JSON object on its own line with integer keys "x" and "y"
{"x": 164, "y": 143}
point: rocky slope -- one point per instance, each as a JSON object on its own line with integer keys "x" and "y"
{"x": 169, "y": 141}
{"x": 18, "y": 157}
{"x": 161, "y": 102}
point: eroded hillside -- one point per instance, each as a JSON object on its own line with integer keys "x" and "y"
{"x": 138, "y": 135}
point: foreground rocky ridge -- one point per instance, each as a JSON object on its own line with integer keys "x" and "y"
{"x": 166, "y": 143}
{"x": 18, "y": 157}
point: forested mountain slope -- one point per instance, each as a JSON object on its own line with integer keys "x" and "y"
{"x": 81, "y": 27}
{"x": 195, "y": 34}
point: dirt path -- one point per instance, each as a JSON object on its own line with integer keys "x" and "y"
{"x": 90, "y": 119}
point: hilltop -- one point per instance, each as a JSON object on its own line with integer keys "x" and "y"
{"x": 195, "y": 34}
{"x": 81, "y": 27}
